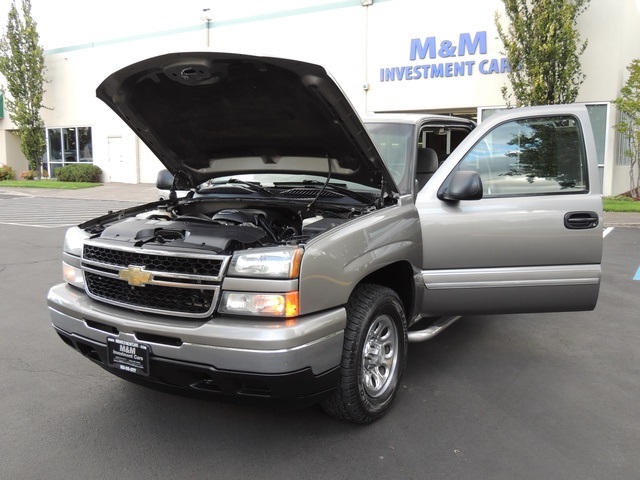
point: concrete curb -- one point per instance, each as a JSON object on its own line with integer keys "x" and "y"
{"x": 622, "y": 219}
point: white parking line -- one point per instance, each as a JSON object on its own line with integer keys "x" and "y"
{"x": 607, "y": 231}
{"x": 53, "y": 212}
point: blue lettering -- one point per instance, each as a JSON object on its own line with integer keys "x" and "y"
{"x": 409, "y": 74}
{"x": 440, "y": 70}
{"x": 420, "y": 50}
{"x": 470, "y": 64}
{"x": 494, "y": 65}
{"x": 466, "y": 45}
{"x": 447, "y": 49}
{"x": 448, "y": 69}
{"x": 389, "y": 75}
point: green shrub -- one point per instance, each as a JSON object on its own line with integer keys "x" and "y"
{"x": 7, "y": 173}
{"x": 79, "y": 173}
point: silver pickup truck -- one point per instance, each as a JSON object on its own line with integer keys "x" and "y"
{"x": 313, "y": 245}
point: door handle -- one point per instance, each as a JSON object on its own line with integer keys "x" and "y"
{"x": 581, "y": 220}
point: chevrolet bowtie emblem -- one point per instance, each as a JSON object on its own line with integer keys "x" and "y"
{"x": 135, "y": 276}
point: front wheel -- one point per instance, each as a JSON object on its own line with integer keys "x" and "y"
{"x": 373, "y": 356}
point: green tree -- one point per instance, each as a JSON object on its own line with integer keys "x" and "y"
{"x": 628, "y": 104}
{"x": 22, "y": 64}
{"x": 543, "y": 47}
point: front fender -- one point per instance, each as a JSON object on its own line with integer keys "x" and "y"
{"x": 335, "y": 262}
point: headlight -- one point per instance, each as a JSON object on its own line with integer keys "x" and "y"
{"x": 73, "y": 241}
{"x": 267, "y": 304}
{"x": 267, "y": 262}
{"x": 72, "y": 275}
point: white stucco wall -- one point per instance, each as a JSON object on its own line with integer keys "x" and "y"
{"x": 354, "y": 42}
{"x": 12, "y": 155}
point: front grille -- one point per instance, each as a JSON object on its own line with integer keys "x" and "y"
{"x": 170, "y": 283}
{"x": 161, "y": 299}
{"x": 159, "y": 263}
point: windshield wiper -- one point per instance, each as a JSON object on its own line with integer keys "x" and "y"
{"x": 342, "y": 188}
{"x": 254, "y": 186}
{"x": 336, "y": 187}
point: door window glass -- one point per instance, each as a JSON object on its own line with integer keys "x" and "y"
{"x": 534, "y": 156}
{"x": 85, "y": 146}
{"x": 69, "y": 144}
{"x": 394, "y": 143}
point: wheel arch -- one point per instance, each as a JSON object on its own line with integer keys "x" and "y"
{"x": 373, "y": 357}
{"x": 398, "y": 277}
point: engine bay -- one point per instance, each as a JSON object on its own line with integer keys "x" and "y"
{"x": 220, "y": 227}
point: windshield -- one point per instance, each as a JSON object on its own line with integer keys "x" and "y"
{"x": 279, "y": 179}
{"x": 393, "y": 141}
{"x": 394, "y": 144}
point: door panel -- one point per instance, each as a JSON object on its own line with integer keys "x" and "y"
{"x": 517, "y": 248}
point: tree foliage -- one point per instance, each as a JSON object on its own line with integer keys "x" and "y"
{"x": 543, "y": 48}
{"x": 628, "y": 104}
{"x": 22, "y": 64}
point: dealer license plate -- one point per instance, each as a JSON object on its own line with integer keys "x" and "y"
{"x": 128, "y": 356}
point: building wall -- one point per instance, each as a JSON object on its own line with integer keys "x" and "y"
{"x": 410, "y": 82}
{"x": 75, "y": 74}
{"x": 360, "y": 45}
{"x": 302, "y": 33}
{"x": 10, "y": 153}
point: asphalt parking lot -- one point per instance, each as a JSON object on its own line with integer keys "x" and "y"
{"x": 496, "y": 397}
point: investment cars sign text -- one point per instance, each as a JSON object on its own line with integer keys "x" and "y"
{"x": 453, "y": 59}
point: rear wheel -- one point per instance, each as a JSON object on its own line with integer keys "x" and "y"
{"x": 373, "y": 356}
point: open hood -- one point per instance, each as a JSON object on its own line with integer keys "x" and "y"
{"x": 206, "y": 114}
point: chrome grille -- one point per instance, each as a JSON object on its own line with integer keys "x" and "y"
{"x": 155, "y": 298}
{"x": 164, "y": 282}
{"x": 158, "y": 262}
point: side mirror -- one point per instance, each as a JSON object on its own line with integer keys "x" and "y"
{"x": 165, "y": 181}
{"x": 462, "y": 185}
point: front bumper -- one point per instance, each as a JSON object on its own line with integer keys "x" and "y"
{"x": 291, "y": 358}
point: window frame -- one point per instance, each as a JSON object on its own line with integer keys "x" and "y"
{"x": 62, "y": 132}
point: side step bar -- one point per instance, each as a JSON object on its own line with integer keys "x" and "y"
{"x": 431, "y": 330}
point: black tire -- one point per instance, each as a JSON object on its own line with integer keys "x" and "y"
{"x": 373, "y": 356}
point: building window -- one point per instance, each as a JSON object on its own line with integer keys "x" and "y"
{"x": 598, "y": 116}
{"x": 68, "y": 146}
{"x": 486, "y": 112}
{"x": 598, "y": 113}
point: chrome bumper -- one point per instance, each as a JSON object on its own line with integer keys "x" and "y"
{"x": 261, "y": 345}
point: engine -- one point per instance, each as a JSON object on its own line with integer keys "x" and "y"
{"x": 222, "y": 232}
